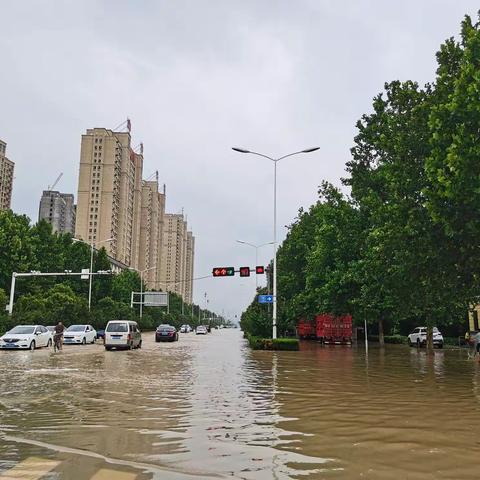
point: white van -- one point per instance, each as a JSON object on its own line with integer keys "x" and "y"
{"x": 122, "y": 334}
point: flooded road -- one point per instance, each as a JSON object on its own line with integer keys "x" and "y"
{"x": 209, "y": 407}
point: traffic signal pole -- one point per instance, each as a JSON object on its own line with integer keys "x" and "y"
{"x": 274, "y": 315}
{"x": 275, "y": 160}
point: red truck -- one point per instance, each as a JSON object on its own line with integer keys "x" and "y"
{"x": 333, "y": 329}
{"x": 306, "y": 328}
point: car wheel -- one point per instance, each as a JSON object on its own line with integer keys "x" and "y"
{"x": 108, "y": 348}
{"x": 49, "y": 344}
{"x": 139, "y": 344}
{"x": 32, "y": 345}
{"x": 418, "y": 343}
{"x": 93, "y": 340}
{"x": 84, "y": 341}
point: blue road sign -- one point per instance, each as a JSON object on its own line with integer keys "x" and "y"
{"x": 265, "y": 299}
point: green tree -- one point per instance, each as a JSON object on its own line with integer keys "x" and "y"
{"x": 453, "y": 165}
{"x": 16, "y": 251}
{"x": 124, "y": 284}
{"x": 256, "y": 320}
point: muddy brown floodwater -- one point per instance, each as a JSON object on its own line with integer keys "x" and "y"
{"x": 209, "y": 407}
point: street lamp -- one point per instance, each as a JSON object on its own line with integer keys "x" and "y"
{"x": 256, "y": 247}
{"x": 92, "y": 248}
{"x": 141, "y": 287}
{"x": 275, "y": 161}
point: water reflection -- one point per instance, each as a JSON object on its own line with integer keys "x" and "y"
{"x": 209, "y": 407}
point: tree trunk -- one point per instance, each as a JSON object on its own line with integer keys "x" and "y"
{"x": 381, "y": 336}
{"x": 429, "y": 339}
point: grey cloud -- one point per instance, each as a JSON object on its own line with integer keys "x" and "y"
{"x": 198, "y": 77}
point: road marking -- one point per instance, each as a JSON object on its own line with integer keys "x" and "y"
{"x": 105, "y": 474}
{"x": 33, "y": 468}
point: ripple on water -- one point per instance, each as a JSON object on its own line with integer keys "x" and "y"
{"x": 210, "y": 405}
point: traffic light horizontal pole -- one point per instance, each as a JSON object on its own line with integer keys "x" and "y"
{"x": 230, "y": 271}
{"x": 60, "y": 274}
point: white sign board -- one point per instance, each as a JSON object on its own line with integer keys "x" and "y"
{"x": 85, "y": 270}
{"x": 155, "y": 299}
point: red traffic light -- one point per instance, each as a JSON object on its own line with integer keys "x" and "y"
{"x": 244, "y": 271}
{"x": 259, "y": 269}
{"x": 223, "y": 272}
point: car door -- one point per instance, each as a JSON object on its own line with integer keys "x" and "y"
{"x": 423, "y": 335}
{"x": 414, "y": 335}
{"x": 88, "y": 334}
{"x": 42, "y": 336}
{"x": 93, "y": 333}
{"x": 37, "y": 336}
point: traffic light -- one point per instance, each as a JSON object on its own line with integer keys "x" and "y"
{"x": 259, "y": 269}
{"x": 244, "y": 271}
{"x": 223, "y": 271}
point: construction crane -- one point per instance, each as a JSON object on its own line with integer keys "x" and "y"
{"x": 55, "y": 182}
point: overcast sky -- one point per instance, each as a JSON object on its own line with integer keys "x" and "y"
{"x": 196, "y": 78}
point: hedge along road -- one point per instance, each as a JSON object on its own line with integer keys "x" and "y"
{"x": 209, "y": 407}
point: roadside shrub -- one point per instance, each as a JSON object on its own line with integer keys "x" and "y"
{"x": 392, "y": 339}
{"x": 291, "y": 344}
{"x": 452, "y": 341}
{"x": 397, "y": 339}
{"x": 257, "y": 343}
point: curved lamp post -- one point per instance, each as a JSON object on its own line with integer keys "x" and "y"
{"x": 275, "y": 161}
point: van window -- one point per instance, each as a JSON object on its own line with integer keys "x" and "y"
{"x": 117, "y": 327}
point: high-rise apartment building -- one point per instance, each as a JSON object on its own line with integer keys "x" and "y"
{"x": 58, "y": 209}
{"x": 115, "y": 204}
{"x": 189, "y": 260}
{"x": 151, "y": 233}
{"x": 175, "y": 272}
{"x": 109, "y": 186}
{"x": 6, "y": 178}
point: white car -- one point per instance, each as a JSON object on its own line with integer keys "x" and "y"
{"x": 26, "y": 336}
{"x": 79, "y": 334}
{"x": 185, "y": 329}
{"x": 419, "y": 337}
{"x": 201, "y": 330}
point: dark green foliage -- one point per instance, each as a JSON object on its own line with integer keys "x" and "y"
{"x": 403, "y": 249}
{"x": 48, "y": 300}
{"x": 256, "y": 320}
{"x": 258, "y": 343}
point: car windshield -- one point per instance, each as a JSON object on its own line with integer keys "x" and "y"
{"x": 117, "y": 327}
{"x": 22, "y": 330}
{"x": 76, "y": 328}
{"x": 165, "y": 327}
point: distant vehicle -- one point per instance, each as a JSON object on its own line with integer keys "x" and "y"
{"x": 166, "y": 333}
{"x": 100, "y": 334}
{"x": 306, "y": 328}
{"x": 185, "y": 329}
{"x": 26, "y": 336}
{"x": 82, "y": 334}
{"x": 201, "y": 330}
{"x": 122, "y": 334}
{"x": 419, "y": 337}
{"x": 334, "y": 330}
